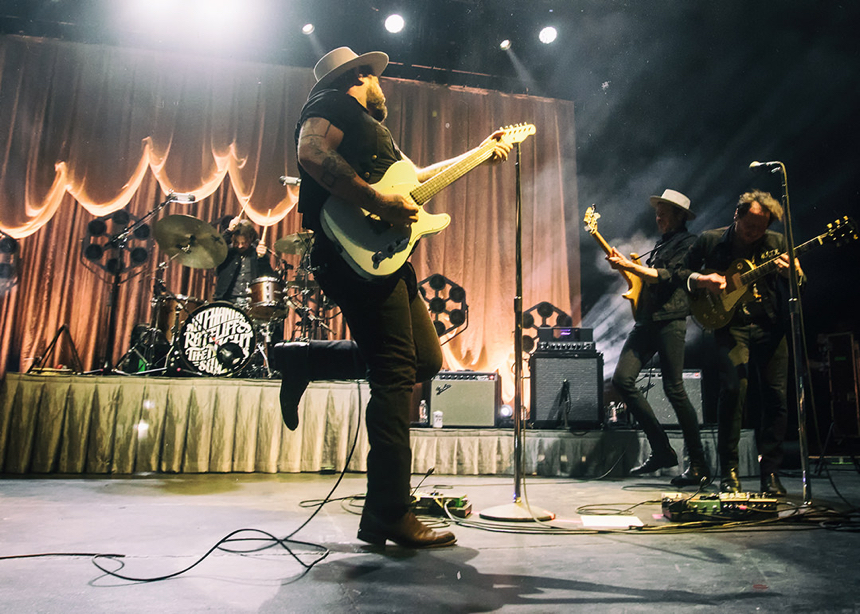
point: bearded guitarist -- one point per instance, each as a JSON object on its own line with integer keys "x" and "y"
{"x": 754, "y": 338}
{"x": 660, "y": 329}
{"x": 343, "y": 150}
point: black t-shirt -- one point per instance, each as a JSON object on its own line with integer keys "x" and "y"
{"x": 367, "y": 146}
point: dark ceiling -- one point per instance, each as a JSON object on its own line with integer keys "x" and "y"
{"x": 667, "y": 93}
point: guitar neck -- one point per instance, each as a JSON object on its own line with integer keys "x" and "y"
{"x": 770, "y": 266}
{"x": 435, "y": 184}
{"x": 602, "y": 242}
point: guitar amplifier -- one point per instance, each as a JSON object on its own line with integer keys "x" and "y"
{"x": 467, "y": 399}
{"x": 651, "y": 385}
{"x": 562, "y": 377}
{"x": 565, "y": 339}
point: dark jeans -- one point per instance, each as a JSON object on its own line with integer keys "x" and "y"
{"x": 667, "y": 340}
{"x": 391, "y": 326}
{"x": 742, "y": 347}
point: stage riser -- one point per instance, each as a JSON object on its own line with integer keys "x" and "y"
{"x": 91, "y": 425}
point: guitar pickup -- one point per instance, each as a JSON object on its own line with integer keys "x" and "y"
{"x": 389, "y": 250}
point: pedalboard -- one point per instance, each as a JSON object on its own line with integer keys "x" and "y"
{"x": 724, "y": 506}
{"x": 435, "y": 503}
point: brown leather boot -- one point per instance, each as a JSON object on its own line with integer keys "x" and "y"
{"x": 407, "y": 531}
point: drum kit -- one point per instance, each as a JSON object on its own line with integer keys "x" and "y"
{"x": 187, "y": 335}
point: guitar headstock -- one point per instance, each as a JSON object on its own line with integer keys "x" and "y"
{"x": 591, "y": 217}
{"x": 517, "y": 133}
{"x": 841, "y": 230}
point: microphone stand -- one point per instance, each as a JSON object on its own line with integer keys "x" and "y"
{"x": 120, "y": 241}
{"x": 518, "y": 511}
{"x": 797, "y": 344}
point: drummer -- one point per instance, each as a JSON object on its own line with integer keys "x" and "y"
{"x": 247, "y": 259}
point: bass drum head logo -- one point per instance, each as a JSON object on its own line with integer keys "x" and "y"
{"x": 217, "y": 339}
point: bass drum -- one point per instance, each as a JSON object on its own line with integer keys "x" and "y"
{"x": 217, "y": 339}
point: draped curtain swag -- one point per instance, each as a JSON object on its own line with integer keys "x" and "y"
{"x": 87, "y": 130}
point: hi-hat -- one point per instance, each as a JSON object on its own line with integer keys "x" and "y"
{"x": 190, "y": 241}
{"x": 294, "y": 244}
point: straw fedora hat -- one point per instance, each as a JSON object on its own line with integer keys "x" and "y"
{"x": 675, "y": 199}
{"x": 343, "y": 59}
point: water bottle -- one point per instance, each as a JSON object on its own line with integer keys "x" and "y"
{"x": 423, "y": 413}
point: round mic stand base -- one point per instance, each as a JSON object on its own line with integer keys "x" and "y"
{"x": 516, "y": 512}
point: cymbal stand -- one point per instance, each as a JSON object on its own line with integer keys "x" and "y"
{"x": 145, "y": 348}
{"x": 310, "y": 323}
{"x": 120, "y": 241}
{"x": 262, "y": 346}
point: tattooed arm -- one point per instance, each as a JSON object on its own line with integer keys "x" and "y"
{"x": 318, "y": 143}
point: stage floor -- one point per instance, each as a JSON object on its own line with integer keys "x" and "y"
{"x": 161, "y": 524}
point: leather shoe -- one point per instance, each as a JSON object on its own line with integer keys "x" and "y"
{"x": 695, "y": 475}
{"x": 407, "y": 531}
{"x": 731, "y": 481}
{"x": 655, "y": 461}
{"x": 770, "y": 485}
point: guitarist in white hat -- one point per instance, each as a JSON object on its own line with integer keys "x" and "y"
{"x": 661, "y": 326}
{"x": 343, "y": 149}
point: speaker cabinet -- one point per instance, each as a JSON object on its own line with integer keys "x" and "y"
{"x": 467, "y": 399}
{"x": 559, "y": 376}
{"x": 651, "y": 385}
{"x": 844, "y": 404}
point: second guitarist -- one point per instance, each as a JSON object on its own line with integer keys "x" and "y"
{"x": 661, "y": 329}
{"x": 343, "y": 148}
{"x": 754, "y": 338}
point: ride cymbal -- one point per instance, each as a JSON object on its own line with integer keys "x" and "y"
{"x": 190, "y": 241}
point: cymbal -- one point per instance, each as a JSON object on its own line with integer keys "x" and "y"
{"x": 294, "y": 244}
{"x": 190, "y": 241}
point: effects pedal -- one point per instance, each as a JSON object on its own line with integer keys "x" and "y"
{"x": 431, "y": 504}
{"x": 724, "y": 506}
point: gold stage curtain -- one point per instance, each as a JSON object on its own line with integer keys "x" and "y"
{"x": 87, "y": 130}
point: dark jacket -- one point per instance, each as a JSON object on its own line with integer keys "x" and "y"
{"x": 666, "y": 299}
{"x": 712, "y": 251}
{"x": 227, "y": 271}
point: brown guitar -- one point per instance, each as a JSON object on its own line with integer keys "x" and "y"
{"x": 715, "y": 310}
{"x": 634, "y": 282}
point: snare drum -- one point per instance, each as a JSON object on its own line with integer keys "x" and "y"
{"x": 267, "y": 298}
{"x": 217, "y": 339}
{"x": 172, "y": 311}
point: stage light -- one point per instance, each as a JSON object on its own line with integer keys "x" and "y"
{"x": 8, "y": 245}
{"x": 96, "y": 227}
{"x": 548, "y": 35}
{"x": 550, "y": 315}
{"x": 394, "y": 23}
{"x": 93, "y": 252}
{"x": 308, "y": 29}
{"x": 447, "y": 305}
{"x": 9, "y": 262}
{"x": 505, "y": 45}
{"x": 107, "y": 236}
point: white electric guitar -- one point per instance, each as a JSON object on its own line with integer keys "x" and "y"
{"x": 374, "y": 248}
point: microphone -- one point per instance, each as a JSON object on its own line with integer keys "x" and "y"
{"x": 758, "y": 164}
{"x": 182, "y": 198}
{"x": 287, "y": 180}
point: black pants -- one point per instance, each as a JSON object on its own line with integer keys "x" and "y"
{"x": 391, "y": 326}
{"x": 742, "y": 347}
{"x": 667, "y": 340}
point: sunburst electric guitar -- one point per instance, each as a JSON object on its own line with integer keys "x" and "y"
{"x": 634, "y": 282}
{"x": 715, "y": 310}
{"x": 374, "y": 248}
